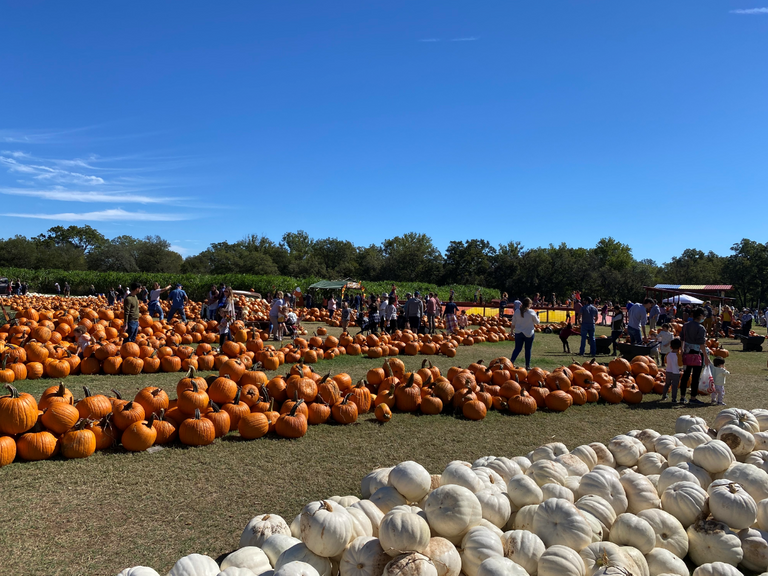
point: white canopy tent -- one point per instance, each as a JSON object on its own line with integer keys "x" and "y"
{"x": 682, "y": 299}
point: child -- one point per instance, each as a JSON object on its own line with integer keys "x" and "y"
{"x": 83, "y": 339}
{"x": 345, "y": 314}
{"x": 224, "y": 324}
{"x": 282, "y": 315}
{"x": 718, "y": 375}
{"x": 463, "y": 320}
{"x": 674, "y": 361}
{"x": 565, "y": 332}
{"x": 664, "y": 338}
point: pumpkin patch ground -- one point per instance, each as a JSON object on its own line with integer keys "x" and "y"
{"x": 100, "y": 514}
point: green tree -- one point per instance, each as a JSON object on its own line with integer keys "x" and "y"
{"x": 694, "y": 267}
{"x": 747, "y": 269}
{"x": 469, "y": 262}
{"x": 412, "y": 257}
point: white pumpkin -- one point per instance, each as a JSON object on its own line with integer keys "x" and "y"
{"x": 712, "y": 541}
{"x": 751, "y": 478}
{"x": 600, "y": 554}
{"x": 651, "y": 463}
{"x": 761, "y": 441}
{"x": 524, "y": 548}
{"x": 693, "y": 439}
{"x": 410, "y": 479}
{"x": 731, "y": 504}
{"x": 373, "y": 481}
{"x": 276, "y": 545}
{"x": 561, "y": 561}
{"x": 546, "y": 471}
{"x": 600, "y": 508}
{"x": 505, "y": 467}
{"x": 680, "y": 455}
{"x": 387, "y": 497}
{"x": 195, "y": 565}
{"x": 237, "y": 571}
{"x": 361, "y": 524}
{"x": 625, "y": 449}
{"x": 522, "y": 461}
{"x": 674, "y": 474}
{"x": 654, "y": 479}
{"x": 670, "y": 533}
{"x": 296, "y": 526}
{"x": 595, "y": 527}
{"x": 326, "y": 528}
{"x": 374, "y": 513}
{"x": 586, "y": 454}
{"x": 451, "y": 511}
{"x": 637, "y": 562}
{"x": 495, "y": 505}
{"x": 300, "y": 553}
{"x": 761, "y": 415}
{"x": 345, "y": 501}
{"x": 684, "y": 423}
{"x": 665, "y": 443}
{"x": 490, "y": 479}
{"x": 754, "y": 544}
{"x": 500, "y": 566}
{"x": 641, "y": 494}
{"x": 703, "y": 477}
{"x": 572, "y": 483}
{"x": 444, "y": 556}
{"x": 549, "y": 451}
{"x": 557, "y": 521}
{"x": 363, "y": 557}
{"x": 296, "y": 569}
{"x": 758, "y": 458}
{"x": 604, "y": 456}
{"x": 262, "y": 527}
{"x": 573, "y": 464}
{"x": 738, "y": 417}
{"x": 403, "y": 532}
{"x": 557, "y": 491}
{"x": 524, "y": 517}
{"x": 413, "y": 564}
{"x": 139, "y": 571}
{"x": 661, "y": 561}
{"x": 492, "y": 527}
{"x": 632, "y": 530}
{"x": 607, "y": 487}
{"x": 715, "y": 456}
{"x": 717, "y": 569}
{"x": 523, "y": 490}
{"x": 460, "y": 475}
{"x": 478, "y": 544}
{"x": 648, "y": 438}
{"x": 686, "y": 501}
{"x": 762, "y": 515}
{"x": 740, "y": 441}
{"x": 250, "y": 557}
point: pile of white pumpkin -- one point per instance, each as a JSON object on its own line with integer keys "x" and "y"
{"x": 638, "y": 506}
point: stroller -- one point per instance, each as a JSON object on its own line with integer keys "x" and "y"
{"x": 368, "y": 324}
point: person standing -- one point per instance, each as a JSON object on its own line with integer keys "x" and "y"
{"x": 653, "y": 315}
{"x": 391, "y": 315}
{"x": 523, "y": 327}
{"x": 577, "y": 313}
{"x": 414, "y": 310}
{"x": 449, "y": 315}
{"x": 604, "y": 314}
{"x": 154, "y": 306}
{"x": 274, "y": 314}
{"x": 637, "y": 318}
{"x": 708, "y": 316}
{"x": 178, "y": 298}
{"x": 373, "y": 315}
{"x": 516, "y": 305}
{"x": 431, "y": 309}
{"x": 331, "y": 306}
{"x": 503, "y": 301}
{"x": 727, "y": 317}
{"x": 588, "y": 319}
{"x": 694, "y": 338}
{"x": 345, "y": 315}
{"x": 131, "y": 313}
{"x": 57, "y": 288}
{"x": 111, "y": 297}
{"x": 746, "y": 322}
{"x": 617, "y": 326}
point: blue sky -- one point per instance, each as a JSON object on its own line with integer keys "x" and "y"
{"x": 543, "y": 122}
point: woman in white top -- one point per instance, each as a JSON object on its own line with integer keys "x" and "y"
{"x": 274, "y": 312}
{"x": 523, "y": 323}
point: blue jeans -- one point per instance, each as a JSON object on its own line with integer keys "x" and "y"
{"x": 155, "y": 308}
{"x": 133, "y": 330}
{"x": 520, "y": 340}
{"x": 173, "y": 311}
{"x": 635, "y": 336}
{"x": 588, "y": 333}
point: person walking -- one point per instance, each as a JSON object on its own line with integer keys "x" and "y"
{"x": 414, "y": 310}
{"x": 383, "y": 303}
{"x": 523, "y": 327}
{"x": 694, "y": 338}
{"x": 131, "y": 313}
{"x": 617, "y": 326}
{"x": 431, "y": 310}
{"x": 588, "y": 319}
{"x": 178, "y": 298}
{"x": 57, "y": 288}
{"x": 637, "y": 318}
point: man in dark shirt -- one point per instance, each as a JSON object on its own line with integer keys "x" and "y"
{"x": 131, "y": 313}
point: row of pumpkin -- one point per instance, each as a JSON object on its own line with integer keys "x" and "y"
{"x": 253, "y": 405}
{"x": 642, "y": 504}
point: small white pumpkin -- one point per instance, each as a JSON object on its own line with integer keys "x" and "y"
{"x": 674, "y": 474}
{"x": 761, "y": 415}
{"x": 600, "y": 509}
{"x": 702, "y": 476}
{"x": 752, "y": 479}
{"x": 573, "y": 464}
{"x": 250, "y": 557}
{"x": 490, "y": 479}
{"x": 740, "y": 441}
{"x": 262, "y": 527}
{"x": 451, "y": 511}
{"x": 661, "y": 561}
{"x": 731, "y": 504}
{"x": 714, "y": 456}
{"x": 410, "y": 479}
{"x": 670, "y": 533}
{"x": 495, "y": 505}
{"x": 625, "y": 449}
{"x": 522, "y": 461}
{"x": 694, "y": 439}
{"x": 632, "y": 530}
{"x": 557, "y": 521}
{"x": 717, "y": 569}
{"x": 762, "y": 515}
{"x": 458, "y": 474}
{"x": 648, "y": 438}
{"x": 345, "y": 501}
{"x": 596, "y": 528}
{"x": 604, "y": 456}
{"x": 139, "y": 571}
{"x": 686, "y": 501}
{"x": 712, "y": 541}
{"x": 600, "y": 554}
{"x": 665, "y": 443}
{"x": 523, "y": 490}
{"x": 478, "y": 544}
{"x": 326, "y": 528}
{"x": 761, "y": 441}
{"x": 606, "y": 486}
{"x": 413, "y": 564}
{"x": 276, "y": 545}
{"x": 300, "y": 553}
{"x": 403, "y": 533}
{"x": 586, "y": 454}
{"x": 373, "y": 481}
{"x": 387, "y": 497}
{"x": 296, "y": 569}
{"x": 505, "y": 467}
{"x": 361, "y": 524}
{"x": 637, "y": 564}
{"x": 549, "y": 451}
{"x": 754, "y": 544}
{"x": 546, "y": 471}
{"x": 679, "y": 455}
{"x": 195, "y": 565}
{"x": 651, "y": 463}
{"x": 737, "y": 417}
{"x": 557, "y": 491}
{"x": 363, "y": 557}
{"x": 524, "y": 548}
{"x": 500, "y": 566}
{"x": 444, "y": 556}
{"x": 641, "y": 494}
{"x": 758, "y": 458}
{"x": 524, "y": 517}
{"x": 684, "y": 423}
{"x": 561, "y": 561}
{"x": 374, "y": 513}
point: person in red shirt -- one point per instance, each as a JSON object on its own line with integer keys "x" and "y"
{"x": 565, "y": 332}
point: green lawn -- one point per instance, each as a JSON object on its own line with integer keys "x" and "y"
{"x": 117, "y": 509}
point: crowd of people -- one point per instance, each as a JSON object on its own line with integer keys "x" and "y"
{"x": 17, "y": 287}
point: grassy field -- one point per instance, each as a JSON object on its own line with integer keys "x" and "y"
{"x": 118, "y": 509}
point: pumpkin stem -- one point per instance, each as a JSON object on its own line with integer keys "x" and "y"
{"x": 197, "y": 413}
{"x": 87, "y": 391}
{"x": 237, "y": 397}
{"x": 152, "y": 418}
{"x": 214, "y": 406}
{"x": 12, "y": 390}
{"x": 117, "y": 394}
{"x": 296, "y": 406}
{"x": 161, "y": 416}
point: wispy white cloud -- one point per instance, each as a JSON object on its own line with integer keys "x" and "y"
{"x": 112, "y": 215}
{"x": 429, "y": 40}
{"x": 111, "y": 197}
{"x": 465, "y": 39}
{"x": 750, "y": 11}
{"x": 47, "y": 173}
{"x": 180, "y": 249}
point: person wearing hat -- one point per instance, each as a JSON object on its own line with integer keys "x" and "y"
{"x": 177, "y": 297}
{"x": 414, "y": 310}
{"x": 131, "y": 313}
{"x": 746, "y": 321}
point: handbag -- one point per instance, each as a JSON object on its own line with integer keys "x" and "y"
{"x": 692, "y": 359}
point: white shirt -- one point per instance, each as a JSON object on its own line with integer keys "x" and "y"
{"x": 665, "y": 338}
{"x": 154, "y": 295}
{"x": 718, "y": 375}
{"x": 672, "y": 365}
{"x": 525, "y": 325}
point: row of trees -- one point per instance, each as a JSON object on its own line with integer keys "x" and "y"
{"x": 609, "y": 269}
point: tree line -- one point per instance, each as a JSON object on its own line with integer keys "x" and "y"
{"x": 608, "y": 270}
